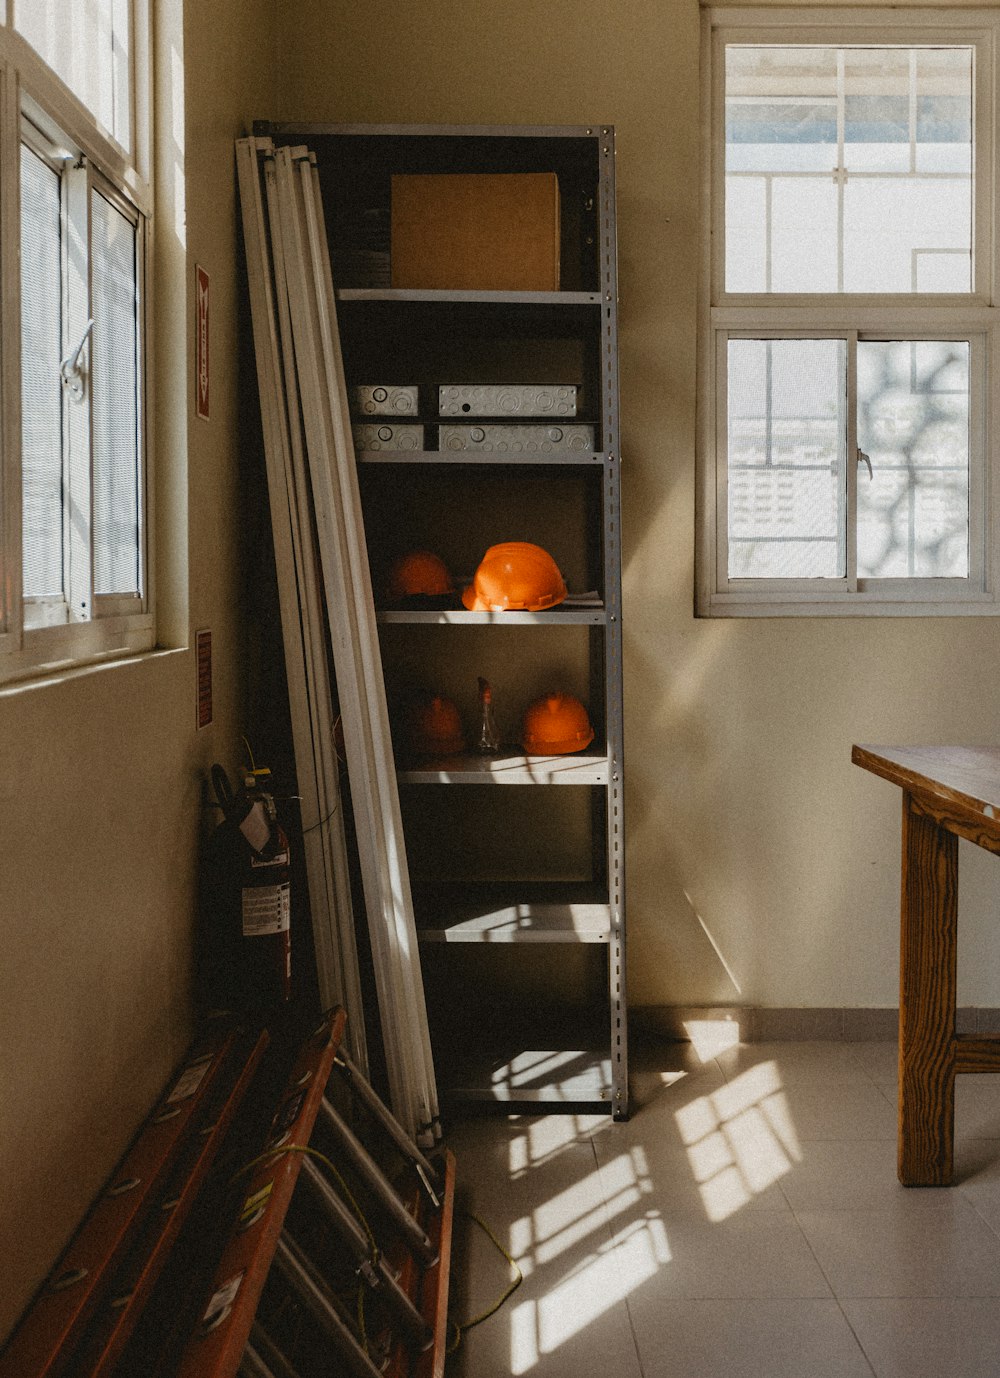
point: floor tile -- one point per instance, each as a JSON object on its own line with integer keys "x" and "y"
{"x": 534, "y": 1183}
{"x": 839, "y": 1111}
{"x": 703, "y": 1147}
{"x": 746, "y": 1221}
{"x": 852, "y": 1175}
{"x": 822, "y": 1061}
{"x": 750, "y": 1254}
{"x": 977, "y": 1177}
{"x": 977, "y": 1106}
{"x": 929, "y": 1337}
{"x": 739, "y": 1339}
{"x": 947, "y": 1251}
{"x": 568, "y": 1316}
{"x": 880, "y": 1060}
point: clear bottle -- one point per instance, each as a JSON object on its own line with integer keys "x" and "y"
{"x": 487, "y": 737}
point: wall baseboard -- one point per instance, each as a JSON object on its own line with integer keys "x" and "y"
{"x": 765, "y": 1025}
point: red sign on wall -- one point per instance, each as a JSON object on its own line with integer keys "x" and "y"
{"x": 201, "y": 345}
{"x": 203, "y": 660}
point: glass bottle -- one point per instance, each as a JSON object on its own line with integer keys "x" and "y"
{"x": 487, "y": 737}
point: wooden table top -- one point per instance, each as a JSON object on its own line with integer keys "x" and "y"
{"x": 965, "y": 778}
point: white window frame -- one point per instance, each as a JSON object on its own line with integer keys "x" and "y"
{"x": 36, "y": 107}
{"x": 962, "y": 316}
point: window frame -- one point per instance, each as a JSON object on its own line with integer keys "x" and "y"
{"x": 36, "y": 107}
{"x": 884, "y": 316}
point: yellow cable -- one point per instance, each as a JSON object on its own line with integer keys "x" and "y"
{"x": 460, "y": 1329}
{"x": 279, "y": 1152}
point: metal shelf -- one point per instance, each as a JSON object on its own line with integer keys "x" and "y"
{"x": 426, "y": 335}
{"x": 513, "y": 912}
{"x": 509, "y": 768}
{"x": 562, "y": 616}
{"x": 545, "y": 1073}
{"x": 586, "y": 459}
{"x": 403, "y": 294}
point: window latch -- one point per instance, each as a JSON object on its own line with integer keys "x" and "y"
{"x": 70, "y": 369}
{"x": 863, "y": 459}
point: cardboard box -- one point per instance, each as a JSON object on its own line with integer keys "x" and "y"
{"x": 476, "y": 232}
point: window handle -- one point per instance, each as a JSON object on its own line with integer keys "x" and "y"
{"x": 863, "y": 459}
{"x": 70, "y": 370}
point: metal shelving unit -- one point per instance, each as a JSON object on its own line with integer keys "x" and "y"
{"x": 564, "y": 905}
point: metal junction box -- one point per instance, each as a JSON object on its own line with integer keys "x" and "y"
{"x": 384, "y": 400}
{"x": 387, "y": 437}
{"x": 507, "y": 399}
{"x": 551, "y": 439}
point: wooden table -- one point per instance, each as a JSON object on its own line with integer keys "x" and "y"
{"x": 948, "y": 792}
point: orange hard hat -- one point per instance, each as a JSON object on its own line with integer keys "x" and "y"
{"x": 434, "y": 728}
{"x": 555, "y": 725}
{"x": 515, "y": 576}
{"x": 419, "y": 572}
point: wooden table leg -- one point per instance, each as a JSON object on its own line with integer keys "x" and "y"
{"x": 927, "y": 995}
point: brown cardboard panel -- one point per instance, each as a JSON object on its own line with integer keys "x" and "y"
{"x": 476, "y": 231}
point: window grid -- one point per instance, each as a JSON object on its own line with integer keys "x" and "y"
{"x": 91, "y": 602}
{"x": 841, "y": 175}
{"x": 864, "y": 317}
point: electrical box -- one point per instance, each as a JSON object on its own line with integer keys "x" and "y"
{"x": 387, "y": 437}
{"x": 494, "y": 231}
{"x": 507, "y": 399}
{"x": 532, "y": 440}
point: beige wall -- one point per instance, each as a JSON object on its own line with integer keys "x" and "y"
{"x": 100, "y": 790}
{"x": 749, "y": 833}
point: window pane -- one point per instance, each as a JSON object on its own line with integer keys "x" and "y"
{"x": 115, "y": 395}
{"x": 913, "y": 423}
{"x": 41, "y": 391}
{"x": 900, "y": 236}
{"x": 804, "y": 235}
{"x": 88, "y": 45}
{"x": 863, "y": 160}
{"x": 786, "y": 459}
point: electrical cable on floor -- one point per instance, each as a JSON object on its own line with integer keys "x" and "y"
{"x": 461, "y": 1328}
{"x": 280, "y": 1151}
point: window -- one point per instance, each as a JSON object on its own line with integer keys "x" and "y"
{"x": 844, "y": 389}
{"x": 74, "y": 474}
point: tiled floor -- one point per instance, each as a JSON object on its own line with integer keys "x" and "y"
{"x": 745, "y": 1223}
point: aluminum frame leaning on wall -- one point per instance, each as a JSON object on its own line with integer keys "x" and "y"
{"x": 290, "y": 258}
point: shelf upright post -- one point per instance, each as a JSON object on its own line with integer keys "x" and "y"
{"x": 608, "y": 261}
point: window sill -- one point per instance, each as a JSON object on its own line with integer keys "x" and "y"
{"x": 39, "y": 677}
{"x": 854, "y": 605}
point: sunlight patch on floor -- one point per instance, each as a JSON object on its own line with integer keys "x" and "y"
{"x": 710, "y": 1037}
{"x": 582, "y": 1210}
{"x": 589, "y": 1289}
{"x": 740, "y": 1139}
{"x": 543, "y": 1137}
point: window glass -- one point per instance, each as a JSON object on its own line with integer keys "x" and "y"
{"x": 115, "y": 392}
{"x": 786, "y": 458}
{"x": 87, "y": 44}
{"x": 913, "y": 423}
{"x": 41, "y": 391}
{"x": 863, "y": 161}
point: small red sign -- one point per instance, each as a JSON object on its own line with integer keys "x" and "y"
{"x": 203, "y": 643}
{"x": 201, "y": 349}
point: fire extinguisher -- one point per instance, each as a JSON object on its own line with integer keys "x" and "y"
{"x": 249, "y": 895}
